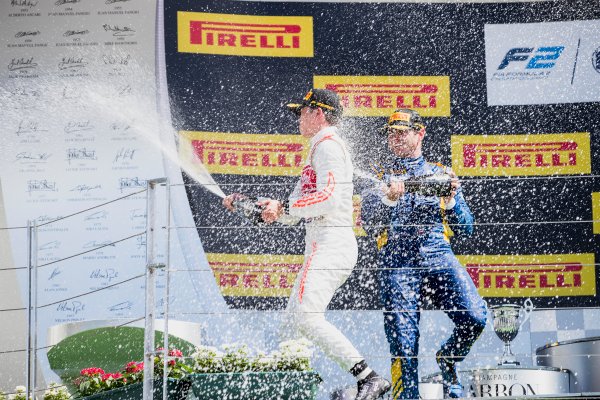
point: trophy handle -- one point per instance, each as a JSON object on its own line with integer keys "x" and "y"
{"x": 527, "y": 309}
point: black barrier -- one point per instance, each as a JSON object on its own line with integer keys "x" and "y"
{"x": 516, "y": 214}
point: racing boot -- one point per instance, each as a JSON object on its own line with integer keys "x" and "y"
{"x": 452, "y": 387}
{"x": 372, "y": 387}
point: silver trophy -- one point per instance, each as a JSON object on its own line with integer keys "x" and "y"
{"x": 507, "y": 321}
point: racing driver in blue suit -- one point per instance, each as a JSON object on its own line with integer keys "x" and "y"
{"x": 417, "y": 265}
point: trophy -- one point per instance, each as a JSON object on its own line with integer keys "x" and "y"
{"x": 506, "y": 324}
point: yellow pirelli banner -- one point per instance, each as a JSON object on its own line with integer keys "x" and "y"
{"x": 243, "y": 154}
{"x": 378, "y": 96}
{"x": 256, "y": 275}
{"x": 532, "y": 275}
{"x": 244, "y": 35}
{"x": 514, "y": 155}
{"x": 596, "y": 212}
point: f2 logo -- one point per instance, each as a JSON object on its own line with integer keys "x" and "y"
{"x": 541, "y": 59}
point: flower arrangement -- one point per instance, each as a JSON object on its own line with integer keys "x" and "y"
{"x": 54, "y": 392}
{"x": 176, "y": 366}
{"x": 292, "y": 355}
{"x": 94, "y": 380}
{"x": 19, "y": 394}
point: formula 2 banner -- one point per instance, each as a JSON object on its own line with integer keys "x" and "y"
{"x": 543, "y": 63}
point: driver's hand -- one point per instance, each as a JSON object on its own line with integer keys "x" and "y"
{"x": 272, "y": 210}
{"x": 228, "y": 201}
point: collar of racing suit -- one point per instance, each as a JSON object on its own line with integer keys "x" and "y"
{"x": 322, "y": 133}
{"x": 409, "y": 164}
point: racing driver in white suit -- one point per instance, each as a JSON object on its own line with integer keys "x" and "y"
{"x": 323, "y": 197}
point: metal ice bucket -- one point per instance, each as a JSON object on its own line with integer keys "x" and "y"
{"x": 580, "y": 356}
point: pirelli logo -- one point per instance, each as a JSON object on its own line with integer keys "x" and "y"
{"x": 510, "y": 155}
{"x": 376, "y": 96}
{"x": 596, "y": 212}
{"x": 244, "y": 35}
{"x": 256, "y": 275}
{"x": 532, "y": 275}
{"x": 244, "y": 154}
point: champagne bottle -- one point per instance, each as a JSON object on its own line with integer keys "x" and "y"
{"x": 439, "y": 185}
{"x": 247, "y": 207}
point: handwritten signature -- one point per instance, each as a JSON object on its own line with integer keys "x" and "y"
{"x": 24, "y": 3}
{"x": 54, "y": 274}
{"x": 53, "y": 245}
{"x": 74, "y": 307}
{"x": 137, "y": 213}
{"x": 126, "y": 305}
{"x": 30, "y": 157}
{"x": 124, "y": 90}
{"x": 71, "y": 33}
{"x": 70, "y": 93}
{"x": 110, "y": 59}
{"x": 26, "y": 33}
{"x": 29, "y": 127}
{"x": 126, "y": 183}
{"x": 77, "y": 126}
{"x": 85, "y": 188}
{"x": 61, "y": 2}
{"x": 71, "y": 63}
{"x": 81, "y": 154}
{"x": 17, "y": 64}
{"x": 118, "y": 30}
{"x": 93, "y": 244}
{"x": 97, "y": 215}
{"x": 41, "y": 186}
{"x": 125, "y": 154}
{"x": 33, "y": 93}
{"x": 116, "y": 126}
{"x": 45, "y": 218}
{"x": 108, "y": 273}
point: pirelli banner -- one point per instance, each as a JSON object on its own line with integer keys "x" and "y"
{"x": 511, "y": 106}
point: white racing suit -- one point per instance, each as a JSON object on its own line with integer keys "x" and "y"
{"x": 323, "y": 197}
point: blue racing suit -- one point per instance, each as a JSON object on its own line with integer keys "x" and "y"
{"x": 417, "y": 267}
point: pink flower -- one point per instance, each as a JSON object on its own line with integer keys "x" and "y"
{"x": 171, "y": 363}
{"x": 175, "y": 353}
{"x": 92, "y": 371}
{"x": 172, "y": 352}
{"x": 133, "y": 367}
{"x": 115, "y": 375}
